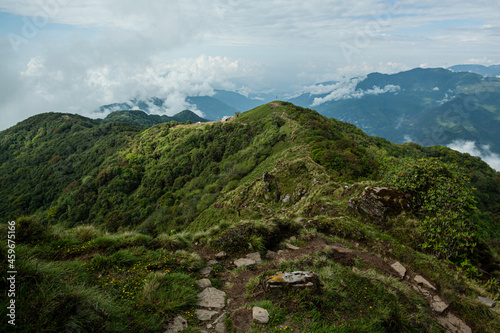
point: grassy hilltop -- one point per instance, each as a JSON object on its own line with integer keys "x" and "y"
{"x": 114, "y": 222}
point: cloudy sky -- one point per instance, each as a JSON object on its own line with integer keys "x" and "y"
{"x": 75, "y": 55}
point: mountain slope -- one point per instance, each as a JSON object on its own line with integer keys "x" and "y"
{"x": 141, "y": 118}
{"x": 120, "y": 240}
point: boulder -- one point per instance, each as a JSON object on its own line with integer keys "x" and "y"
{"x": 221, "y": 255}
{"x": 260, "y": 315}
{"x": 206, "y": 271}
{"x": 380, "y": 202}
{"x": 423, "y": 282}
{"x": 438, "y": 305}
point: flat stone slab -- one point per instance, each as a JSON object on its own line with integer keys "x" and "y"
{"x": 400, "y": 269}
{"x": 291, "y": 247}
{"x": 260, "y": 315}
{"x": 295, "y": 279}
{"x": 438, "y": 305}
{"x": 246, "y": 262}
{"x": 205, "y": 315}
{"x": 221, "y": 255}
{"x": 338, "y": 249}
{"x": 454, "y": 324}
{"x": 204, "y": 283}
{"x": 212, "y": 298}
{"x": 420, "y": 280}
{"x": 255, "y": 257}
{"x": 487, "y": 301}
{"x": 206, "y": 271}
{"x": 179, "y": 324}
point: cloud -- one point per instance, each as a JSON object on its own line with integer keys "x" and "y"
{"x": 347, "y": 90}
{"x": 482, "y": 152}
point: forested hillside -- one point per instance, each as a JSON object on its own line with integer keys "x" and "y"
{"x": 115, "y": 221}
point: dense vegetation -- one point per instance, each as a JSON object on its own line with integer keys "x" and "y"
{"x": 112, "y": 218}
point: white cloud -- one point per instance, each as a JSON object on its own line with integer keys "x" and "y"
{"x": 483, "y": 152}
{"x": 347, "y": 90}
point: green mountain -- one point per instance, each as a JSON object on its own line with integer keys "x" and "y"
{"x": 427, "y": 106}
{"x": 116, "y": 223}
{"x": 491, "y": 71}
{"x": 141, "y": 118}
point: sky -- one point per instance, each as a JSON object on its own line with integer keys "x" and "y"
{"x": 76, "y": 55}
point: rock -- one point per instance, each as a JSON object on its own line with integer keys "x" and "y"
{"x": 206, "y": 271}
{"x": 294, "y": 279}
{"x": 204, "y": 283}
{"x": 380, "y": 202}
{"x": 220, "y": 327}
{"x": 400, "y": 269}
{"x": 291, "y": 247}
{"x": 260, "y": 315}
{"x": 221, "y": 255}
{"x": 423, "y": 282}
{"x": 246, "y": 262}
{"x": 270, "y": 253}
{"x": 179, "y": 324}
{"x": 255, "y": 257}
{"x": 454, "y": 324}
{"x": 338, "y": 249}
{"x": 487, "y": 301}
{"x": 211, "y": 298}
{"x": 205, "y": 315}
{"x": 212, "y": 262}
{"x": 438, "y": 305}
{"x": 286, "y": 198}
{"x": 300, "y": 220}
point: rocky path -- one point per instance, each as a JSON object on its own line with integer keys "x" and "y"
{"x": 229, "y": 299}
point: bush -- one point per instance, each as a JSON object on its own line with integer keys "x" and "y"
{"x": 441, "y": 196}
{"x": 29, "y": 230}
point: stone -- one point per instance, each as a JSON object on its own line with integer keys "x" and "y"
{"x": 286, "y": 198}
{"x": 423, "y": 282}
{"x": 204, "y": 283}
{"x": 212, "y": 298}
{"x": 294, "y": 279}
{"x": 179, "y": 324}
{"x": 438, "y": 305}
{"x": 244, "y": 262}
{"x": 221, "y": 255}
{"x": 291, "y": 247}
{"x": 270, "y": 253}
{"x": 255, "y": 257}
{"x": 400, "y": 269}
{"x": 205, "y": 315}
{"x": 220, "y": 327}
{"x": 487, "y": 301}
{"x": 338, "y": 249}
{"x": 300, "y": 220}
{"x": 260, "y": 315}
{"x": 212, "y": 262}
{"x": 206, "y": 271}
{"x": 454, "y": 324}
{"x": 380, "y": 202}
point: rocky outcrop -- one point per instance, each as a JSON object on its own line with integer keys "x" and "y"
{"x": 380, "y": 202}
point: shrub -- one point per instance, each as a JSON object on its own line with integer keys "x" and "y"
{"x": 29, "y": 230}
{"x": 441, "y": 196}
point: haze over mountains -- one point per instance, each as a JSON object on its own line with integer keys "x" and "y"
{"x": 457, "y": 107}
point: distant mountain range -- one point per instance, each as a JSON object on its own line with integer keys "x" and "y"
{"x": 428, "y": 106}
{"x": 433, "y": 106}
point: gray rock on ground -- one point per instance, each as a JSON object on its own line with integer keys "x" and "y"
{"x": 423, "y": 282}
{"x": 487, "y": 301}
{"x": 221, "y": 255}
{"x": 212, "y": 262}
{"x": 438, "y": 305}
{"x": 204, "y": 283}
{"x": 246, "y": 262}
{"x": 454, "y": 324}
{"x": 260, "y": 315}
{"x": 206, "y": 271}
{"x": 205, "y": 315}
{"x": 400, "y": 269}
{"x": 179, "y": 324}
{"x": 291, "y": 247}
{"x": 212, "y": 298}
{"x": 255, "y": 257}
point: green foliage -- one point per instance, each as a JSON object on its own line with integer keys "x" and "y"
{"x": 440, "y": 194}
{"x": 30, "y": 230}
